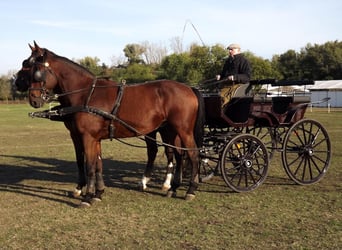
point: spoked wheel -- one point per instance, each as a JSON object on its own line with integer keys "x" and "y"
{"x": 306, "y": 152}
{"x": 244, "y": 163}
{"x": 208, "y": 169}
{"x": 209, "y": 160}
{"x": 265, "y": 135}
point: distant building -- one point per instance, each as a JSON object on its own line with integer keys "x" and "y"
{"x": 323, "y": 89}
{"x": 319, "y": 91}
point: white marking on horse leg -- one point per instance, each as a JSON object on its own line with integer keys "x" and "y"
{"x": 144, "y": 181}
{"x": 77, "y": 193}
{"x": 167, "y": 183}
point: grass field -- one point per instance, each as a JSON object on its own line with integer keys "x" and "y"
{"x": 38, "y": 171}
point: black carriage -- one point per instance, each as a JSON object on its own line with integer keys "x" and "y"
{"x": 241, "y": 138}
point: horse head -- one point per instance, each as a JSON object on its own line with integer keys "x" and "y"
{"x": 36, "y": 76}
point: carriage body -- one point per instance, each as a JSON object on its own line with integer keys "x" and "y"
{"x": 242, "y": 137}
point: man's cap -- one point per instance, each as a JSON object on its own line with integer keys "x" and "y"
{"x": 234, "y": 46}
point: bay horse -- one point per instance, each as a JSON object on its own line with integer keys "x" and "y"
{"x": 95, "y": 109}
{"x": 37, "y": 98}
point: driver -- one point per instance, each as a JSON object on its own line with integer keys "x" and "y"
{"x": 236, "y": 71}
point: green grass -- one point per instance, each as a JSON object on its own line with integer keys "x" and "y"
{"x": 38, "y": 171}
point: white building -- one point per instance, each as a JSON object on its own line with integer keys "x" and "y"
{"x": 324, "y": 89}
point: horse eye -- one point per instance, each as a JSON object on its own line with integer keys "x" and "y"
{"x": 40, "y": 58}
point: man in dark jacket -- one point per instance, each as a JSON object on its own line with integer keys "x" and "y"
{"x": 236, "y": 71}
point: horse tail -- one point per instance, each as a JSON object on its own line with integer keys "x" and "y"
{"x": 200, "y": 120}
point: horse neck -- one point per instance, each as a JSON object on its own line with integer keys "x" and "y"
{"x": 74, "y": 85}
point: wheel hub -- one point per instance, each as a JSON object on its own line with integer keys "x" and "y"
{"x": 248, "y": 163}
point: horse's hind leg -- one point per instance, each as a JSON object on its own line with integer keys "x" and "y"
{"x": 169, "y": 169}
{"x": 194, "y": 178}
{"x": 177, "y": 180}
{"x": 193, "y": 157}
{"x": 152, "y": 150}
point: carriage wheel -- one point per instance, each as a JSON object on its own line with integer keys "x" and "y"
{"x": 265, "y": 134}
{"x": 209, "y": 159}
{"x": 306, "y": 152}
{"x": 208, "y": 169}
{"x": 244, "y": 163}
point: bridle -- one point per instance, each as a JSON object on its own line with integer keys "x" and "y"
{"x": 39, "y": 69}
{"x": 38, "y": 75}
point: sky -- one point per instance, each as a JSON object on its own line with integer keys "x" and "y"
{"x": 102, "y": 28}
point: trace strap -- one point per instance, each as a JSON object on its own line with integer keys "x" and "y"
{"x": 115, "y": 110}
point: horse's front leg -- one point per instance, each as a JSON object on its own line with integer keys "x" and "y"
{"x": 91, "y": 155}
{"x": 100, "y": 186}
{"x": 79, "y": 151}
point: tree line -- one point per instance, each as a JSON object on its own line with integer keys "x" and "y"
{"x": 146, "y": 62}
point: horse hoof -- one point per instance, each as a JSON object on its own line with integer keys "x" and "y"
{"x": 142, "y": 187}
{"x": 189, "y": 197}
{"x": 165, "y": 187}
{"x": 171, "y": 194}
{"x": 84, "y": 204}
{"x": 77, "y": 193}
{"x": 95, "y": 200}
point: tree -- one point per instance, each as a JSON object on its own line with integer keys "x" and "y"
{"x": 175, "y": 67}
{"x": 134, "y": 73}
{"x": 5, "y": 88}
{"x": 288, "y": 65}
{"x": 92, "y": 64}
{"x": 133, "y": 52}
{"x": 261, "y": 68}
{"x": 322, "y": 62}
{"x": 153, "y": 53}
{"x": 176, "y": 45}
{"x": 316, "y": 62}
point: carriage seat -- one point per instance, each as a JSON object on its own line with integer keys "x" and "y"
{"x": 242, "y": 90}
{"x": 238, "y": 109}
{"x": 280, "y": 104}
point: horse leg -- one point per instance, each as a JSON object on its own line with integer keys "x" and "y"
{"x": 152, "y": 150}
{"x": 168, "y": 136}
{"x": 91, "y": 155}
{"x": 194, "y": 178}
{"x": 193, "y": 156}
{"x": 169, "y": 169}
{"x": 177, "y": 180}
{"x": 79, "y": 151}
{"x": 100, "y": 186}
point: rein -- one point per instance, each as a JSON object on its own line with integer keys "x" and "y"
{"x": 64, "y": 111}
{"x": 60, "y": 112}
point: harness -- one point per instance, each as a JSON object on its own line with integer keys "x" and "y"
{"x": 64, "y": 111}
{"x": 59, "y": 113}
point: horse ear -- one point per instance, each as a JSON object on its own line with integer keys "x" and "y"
{"x": 31, "y": 47}
{"x": 36, "y": 45}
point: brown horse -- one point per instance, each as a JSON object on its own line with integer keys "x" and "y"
{"x": 96, "y": 109}
{"x": 38, "y": 97}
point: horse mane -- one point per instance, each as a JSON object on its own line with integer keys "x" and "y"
{"x": 81, "y": 69}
